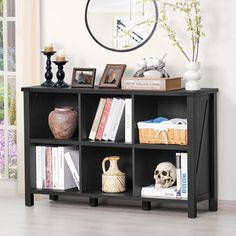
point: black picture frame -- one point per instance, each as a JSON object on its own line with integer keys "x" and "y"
{"x": 86, "y": 79}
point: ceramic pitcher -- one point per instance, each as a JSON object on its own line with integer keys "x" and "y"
{"x": 113, "y": 180}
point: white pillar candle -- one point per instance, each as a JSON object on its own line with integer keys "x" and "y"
{"x": 60, "y": 55}
{"x": 48, "y": 47}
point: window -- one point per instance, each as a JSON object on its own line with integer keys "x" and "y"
{"x": 8, "y": 157}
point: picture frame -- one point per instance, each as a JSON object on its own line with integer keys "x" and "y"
{"x": 83, "y": 77}
{"x": 112, "y": 75}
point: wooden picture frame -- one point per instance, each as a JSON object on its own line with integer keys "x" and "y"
{"x": 83, "y": 77}
{"x": 112, "y": 75}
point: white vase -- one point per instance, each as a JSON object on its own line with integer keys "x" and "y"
{"x": 192, "y": 76}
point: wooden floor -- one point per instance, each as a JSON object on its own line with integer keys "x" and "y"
{"x": 68, "y": 218}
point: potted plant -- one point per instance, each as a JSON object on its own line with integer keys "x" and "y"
{"x": 190, "y": 9}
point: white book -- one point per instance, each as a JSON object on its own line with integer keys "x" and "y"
{"x": 178, "y": 174}
{"x": 110, "y": 119}
{"x": 66, "y": 180}
{"x": 184, "y": 175}
{"x": 55, "y": 169}
{"x": 152, "y": 191}
{"x": 128, "y": 120}
{"x": 43, "y": 166}
{"x": 39, "y": 179}
{"x": 72, "y": 169}
{"x": 116, "y": 122}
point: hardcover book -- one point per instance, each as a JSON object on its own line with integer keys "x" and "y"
{"x": 103, "y": 120}
{"x": 151, "y": 83}
{"x": 97, "y": 119}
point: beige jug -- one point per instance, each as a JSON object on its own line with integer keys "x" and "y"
{"x": 113, "y": 180}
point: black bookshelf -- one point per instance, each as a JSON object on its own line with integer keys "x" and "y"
{"x": 138, "y": 160}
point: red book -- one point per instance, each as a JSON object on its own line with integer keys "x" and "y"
{"x": 103, "y": 120}
{"x": 48, "y": 161}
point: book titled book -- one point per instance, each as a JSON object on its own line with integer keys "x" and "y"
{"x": 103, "y": 120}
{"x": 152, "y": 191}
{"x": 184, "y": 175}
{"x": 128, "y": 120}
{"x": 66, "y": 180}
{"x": 151, "y": 83}
{"x": 72, "y": 169}
{"x": 110, "y": 119}
{"x": 97, "y": 119}
{"x": 178, "y": 174}
{"x": 118, "y": 126}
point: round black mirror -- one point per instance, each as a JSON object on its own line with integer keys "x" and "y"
{"x": 121, "y": 25}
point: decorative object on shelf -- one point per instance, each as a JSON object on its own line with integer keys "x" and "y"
{"x": 113, "y": 180}
{"x": 48, "y": 47}
{"x": 60, "y": 75}
{"x": 152, "y": 63}
{"x": 63, "y": 122}
{"x": 48, "y": 74}
{"x": 83, "y": 77}
{"x": 112, "y": 75}
{"x": 157, "y": 131}
{"x": 150, "y": 83}
{"x": 165, "y": 175}
{"x": 60, "y": 56}
{"x": 191, "y": 11}
{"x": 192, "y": 76}
{"x": 121, "y": 27}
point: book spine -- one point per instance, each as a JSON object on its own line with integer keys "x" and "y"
{"x": 61, "y": 174}
{"x": 48, "y": 167}
{"x": 114, "y": 129}
{"x": 178, "y": 174}
{"x": 97, "y": 119}
{"x": 103, "y": 121}
{"x": 55, "y": 163}
{"x": 39, "y": 181}
{"x": 72, "y": 169}
{"x": 43, "y": 170}
{"x": 143, "y": 84}
{"x": 110, "y": 119}
{"x": 128, "y": 120}
{"x": 184, "y": 175}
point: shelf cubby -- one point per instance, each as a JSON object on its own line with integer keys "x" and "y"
{"x": 92, "y": 158}
{"x": 150, "y": 107}
{"x": 40, "y": 105}
{"x": 89, "y": 105}
{"x": 146, "y": 161}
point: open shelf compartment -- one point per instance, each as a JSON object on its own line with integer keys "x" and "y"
{"x": 92, "y": 158}
{"x": 41, "y": 104}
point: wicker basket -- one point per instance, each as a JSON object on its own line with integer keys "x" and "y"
{"x": 162, "y": 134}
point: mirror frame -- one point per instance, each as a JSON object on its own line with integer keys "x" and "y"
{"x": 120, "y": 50}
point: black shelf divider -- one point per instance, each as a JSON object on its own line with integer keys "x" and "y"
{"x": 138, "y": 160}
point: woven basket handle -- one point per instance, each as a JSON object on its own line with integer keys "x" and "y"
{"x": 164, "y": 133}
{"x": 103, "y": 165}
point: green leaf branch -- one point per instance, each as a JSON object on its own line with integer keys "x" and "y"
{"x": 191, "y": 11}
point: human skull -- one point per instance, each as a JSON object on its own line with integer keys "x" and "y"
{"x": 165, "y": 175}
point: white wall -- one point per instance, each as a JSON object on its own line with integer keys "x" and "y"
{"x": 63, "y": 23}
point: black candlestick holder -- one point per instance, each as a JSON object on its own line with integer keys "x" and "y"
{"x": 60, "y": 75}
{"x": 48, "y": 73}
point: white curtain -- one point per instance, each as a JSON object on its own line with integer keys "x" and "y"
{"x": 27, "y": 67}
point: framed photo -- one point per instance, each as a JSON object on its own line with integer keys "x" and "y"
{"x": 112, "y": 75}
{"x": 83, "y": 77}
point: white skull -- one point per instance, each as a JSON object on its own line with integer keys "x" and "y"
{"x": 165, "y": 175}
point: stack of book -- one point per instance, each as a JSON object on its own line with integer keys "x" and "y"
{"x": 113, "y": 120}
{"x": 180, "y": 190}
{"x": 57, "y": 167}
